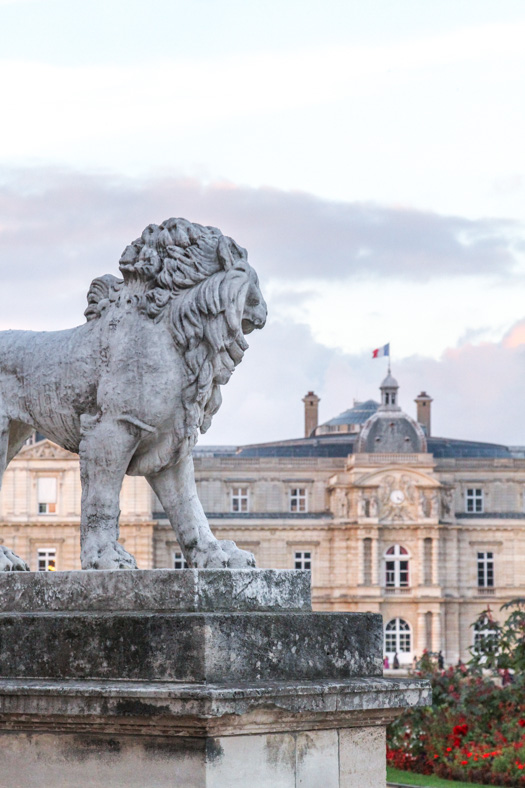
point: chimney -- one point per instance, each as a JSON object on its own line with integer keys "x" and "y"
{"x": 311, "y": 413}
{"x": 423, "y": 411}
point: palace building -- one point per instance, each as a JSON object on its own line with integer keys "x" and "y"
{"x": 427, "y": 531}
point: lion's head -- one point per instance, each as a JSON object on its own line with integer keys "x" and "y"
{"x": 201, "y": 282}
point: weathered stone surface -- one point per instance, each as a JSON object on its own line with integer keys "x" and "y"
{"x": 167, "y": 694}
{"x": 131, "y": 389}
{"x": 167, "y": 708}
{"x": 156, "y": 590}
{"x": 362, "y": 757}
{"x": 266, "y": 735}
{"x": 214, "y": 647}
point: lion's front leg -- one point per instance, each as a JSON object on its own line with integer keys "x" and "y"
{"x": 106, "y": 449}
{"x": 175, "y": 488}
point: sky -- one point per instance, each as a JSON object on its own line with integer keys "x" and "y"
{"x": 369, "y": 156}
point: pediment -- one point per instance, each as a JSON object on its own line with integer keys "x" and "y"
{"x": 397, "y": 494}
{"x": 45, "y": 450}
{"x": 385, "y": 476}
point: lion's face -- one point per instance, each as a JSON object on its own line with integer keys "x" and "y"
{"x": 255, "y": 309}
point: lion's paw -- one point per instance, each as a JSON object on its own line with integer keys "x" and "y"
{"x": 10, "y": 562}
{"x": 220, "y": 555}
{"x": 237, "y": 558}
{"x": 110, "y": 556}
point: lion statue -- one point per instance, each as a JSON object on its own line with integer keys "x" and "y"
{"x": 131, "y": 388}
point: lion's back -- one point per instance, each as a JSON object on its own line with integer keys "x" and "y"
{"x": 46, "y": 379}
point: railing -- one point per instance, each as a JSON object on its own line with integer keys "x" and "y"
{"x": 393, "y": 459}
{"x": 484, "y": 591}
{"x": 397, "y": 590}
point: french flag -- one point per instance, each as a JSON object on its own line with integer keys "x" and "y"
{"x": 379, "y": 352}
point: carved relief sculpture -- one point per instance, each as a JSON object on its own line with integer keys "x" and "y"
{"x": 130, "y": 389}
{"x": 398, "y": 499}
{"x": 447, "y": 503}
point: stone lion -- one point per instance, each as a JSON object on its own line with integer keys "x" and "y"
{"x": 131, "y": 388}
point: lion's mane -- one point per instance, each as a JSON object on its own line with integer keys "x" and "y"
{"x": 198, "y": 278}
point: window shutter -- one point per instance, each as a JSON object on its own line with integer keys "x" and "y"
{"x": 47, "y": 490}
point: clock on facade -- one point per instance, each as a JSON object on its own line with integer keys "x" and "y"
{"x": 397, "y": 497}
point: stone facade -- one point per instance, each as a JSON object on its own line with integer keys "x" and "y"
{"x": 428, "y": 538}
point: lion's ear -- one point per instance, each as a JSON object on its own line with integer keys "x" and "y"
{"x": 224, "y": 254}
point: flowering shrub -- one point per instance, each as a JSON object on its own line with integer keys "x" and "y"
{"x": 475, "y": 729}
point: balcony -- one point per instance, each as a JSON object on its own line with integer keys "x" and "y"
{"x": 486, "y": 591}
{"x": 397, "y": 590}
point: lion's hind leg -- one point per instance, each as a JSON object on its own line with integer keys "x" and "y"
{"x": 106, "y": 449}
{"x": 9, "y": 561}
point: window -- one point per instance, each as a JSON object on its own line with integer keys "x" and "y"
{"x": 474, "y": 500}
{"x": 298, "y": 500}
{"x": 485, "y": 636}
{"x": 396, "y": 567}
{"x": 47, "y": 495}
{"x": 398, "y": 638}
{"x": 303, "y": 560}
{"x": 239, "y": 499}
{"x": 485, "y": 570}
{"x": 47, "y": 559}
{"x": 179, "y": 562}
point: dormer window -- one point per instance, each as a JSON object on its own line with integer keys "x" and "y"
{"x": 393, "y": 398}
{"x": 387, "y": 398}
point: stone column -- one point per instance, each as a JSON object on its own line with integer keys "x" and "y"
{"x": 190, "y": 678}
{"x": 436, "y": 579}
{"x": 377, "y": 579}
{"x": 436, "y": 631}
{"x": 421, "y": 632}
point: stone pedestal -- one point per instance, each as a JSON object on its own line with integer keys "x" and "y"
{"x": 189, "y": 678}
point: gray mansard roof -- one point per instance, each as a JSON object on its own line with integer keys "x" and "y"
{"x": 342, "y": 445}
{"x": 360, "y": 413}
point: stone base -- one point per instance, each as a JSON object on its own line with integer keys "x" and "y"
{"x": 310, "y": 759}
{"x": 145, "y": 679}
{"x": 329, "y": 734}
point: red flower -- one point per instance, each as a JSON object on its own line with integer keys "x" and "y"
{"x": 521, "y": 723}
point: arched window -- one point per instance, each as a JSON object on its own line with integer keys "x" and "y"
{"x": 397, "y": 567}
{"x": 398, "y": 640}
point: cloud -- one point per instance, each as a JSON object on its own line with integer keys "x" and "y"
{"x": 478, "y": 391}
{"x": 59, "y": 229}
